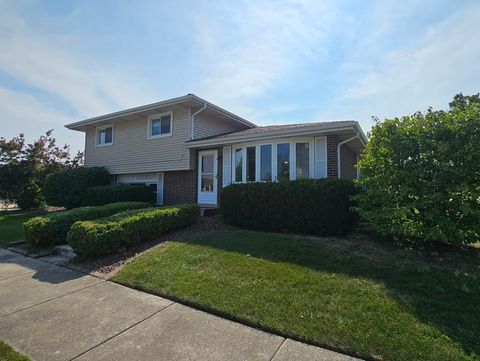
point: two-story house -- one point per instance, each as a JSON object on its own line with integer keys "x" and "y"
{"x": 187, "y": 149}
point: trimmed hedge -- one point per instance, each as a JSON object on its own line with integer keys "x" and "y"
{"x": 52, "y": 229}
{"x": 321, "y": 207}
{"x": 66, "y": 188}
{"x": 96, "y": 196}
{"x": 103, "y": 236}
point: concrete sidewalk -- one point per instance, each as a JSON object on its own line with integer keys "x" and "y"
{"x": 52, "y": 313}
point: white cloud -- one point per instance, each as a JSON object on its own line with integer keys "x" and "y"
{"x": 22, "y": 113}
{"x": 52, "y": 63}
{"x": 438, "y": 63}
{"x": 268, "y": 40}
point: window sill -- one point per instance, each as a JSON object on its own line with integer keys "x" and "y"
{"x": 159, "y": 136}
{"x": 103, "y": 145}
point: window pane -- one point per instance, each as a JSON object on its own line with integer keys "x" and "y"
{"x": 302, "y": 160}
{"x": 156, "y": 127}
{"x": 250, "y": 164}
{"x": 266, "y": 163}
{"x": 238, "y": 164}
{"x": 207, "y": 183}
{"x": 166, "y": 124}
{"x": 283, "y": 161}
{"x": 108, "y": 135}
{"x": 101, "y": 136}
{"x": 207, "y": 164}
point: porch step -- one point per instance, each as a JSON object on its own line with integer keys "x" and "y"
{"x": 209, "y": 211}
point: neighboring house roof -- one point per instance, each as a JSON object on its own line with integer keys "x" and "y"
{"x": 186, "y": 100}
{"x": 263, "y": 132}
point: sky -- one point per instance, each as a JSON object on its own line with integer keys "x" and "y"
{"x": 271, "y": 62}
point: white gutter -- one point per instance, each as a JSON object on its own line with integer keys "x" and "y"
{"x": 269, "y": 135}
{"x": 192, "y": 135}
{"x": 338, "y": 151}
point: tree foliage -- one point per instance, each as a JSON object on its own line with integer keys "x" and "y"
{"x": 421, "y": 174}
{"x": 24, "y": 167}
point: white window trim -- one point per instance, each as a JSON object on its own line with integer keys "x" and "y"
{"x": 156, "y": 116}
{"x": 273, "y": 143}
{"x": 98, "y": 129}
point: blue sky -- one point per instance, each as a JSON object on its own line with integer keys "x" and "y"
{"x": 271, "y": 62}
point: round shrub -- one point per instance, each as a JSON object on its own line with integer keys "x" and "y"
{"x": 320, "y": 207}
{"x": 52, "y": 229}
{"x": 421, "y": 175}
{"x": 96, "y": 196}
{"x": 107, "y": 235}
{"x": 66, "y": 188}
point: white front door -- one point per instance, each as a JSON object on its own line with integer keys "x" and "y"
{"x": 207, "y": 177}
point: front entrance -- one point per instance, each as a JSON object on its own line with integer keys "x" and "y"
{"x": 207, "y": 177}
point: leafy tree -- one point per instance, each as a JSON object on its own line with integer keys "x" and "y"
{"x": 24, "y": 167}
{"x": 421, "y": 174}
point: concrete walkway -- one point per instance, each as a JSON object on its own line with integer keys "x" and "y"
{"x": 53, "y": 313}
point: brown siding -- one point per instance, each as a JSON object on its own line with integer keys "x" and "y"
{"x": 180, "y": 187}
{"x": 206, "y": 126}
{"x": 133, "y": 152}
{"x": 348, "y": 160}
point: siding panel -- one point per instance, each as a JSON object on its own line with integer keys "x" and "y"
{"x": 206, "y": 126}
{"x": 132, "y": 152}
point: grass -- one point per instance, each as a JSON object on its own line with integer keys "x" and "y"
{"x": 361, "y": 297}
{"x": 11, "y": 225}
{"x": 9, "y": 354}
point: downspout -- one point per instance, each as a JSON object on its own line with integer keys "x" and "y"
{"x": 338, "y": 152}
{"x": 192, "y": 135}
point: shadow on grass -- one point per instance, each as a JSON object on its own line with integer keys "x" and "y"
{"x": 442, "y": 291}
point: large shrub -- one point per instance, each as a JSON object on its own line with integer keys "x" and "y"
{"x": 23, "y": 168}
{"x": 421, "y": 175}
{"x": 66, "y": 188}
{"x": 320, "y": 207}
{"x": 102, "y": 236}
{"x": 52, "y": 229}
{"x": 95, "y": 196}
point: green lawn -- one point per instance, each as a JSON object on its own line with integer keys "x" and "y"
{"x": 11, "y": 225}
{"x": 9, "y": 354}
{"x": 365, "y": 298}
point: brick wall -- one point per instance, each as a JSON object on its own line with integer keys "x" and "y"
{"x": 332, "y": 142}
{"x": 180, "y": 187}
{"x": 348, "y": 160}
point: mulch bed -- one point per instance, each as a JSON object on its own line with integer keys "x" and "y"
{"x": 105, "y": 265}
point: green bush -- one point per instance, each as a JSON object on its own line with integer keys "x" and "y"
{"x": 421, "y": 175}
{"x": 96, "y": 196}
{"x": 320, "y": 207}
{"x": 103, "y": 236}
{"x": 52, "y": 228}
{"x": 66, "y": 188}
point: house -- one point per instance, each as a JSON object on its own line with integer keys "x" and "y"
{"x": 187, "y": 149}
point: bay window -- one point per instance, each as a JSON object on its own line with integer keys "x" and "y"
{"x": 250, "y": 167}
{"x": 266, "y": 163}
{"x": 302, "y": 160}
{"x": 238, "y": 165}
{"x": 278, "y": 160}
{"x": 283, "y": 161}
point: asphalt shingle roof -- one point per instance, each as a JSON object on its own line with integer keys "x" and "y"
{"x": 272, "y": 128}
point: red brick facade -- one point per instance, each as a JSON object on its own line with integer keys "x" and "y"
{"x": 332, "y": 142}
{"x": 180, "y": 187}
{"x": 348, "y": 159}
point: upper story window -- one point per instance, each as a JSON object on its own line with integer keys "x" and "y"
{"x": 160, "y": 125}
{"x": 105, "y": 135}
